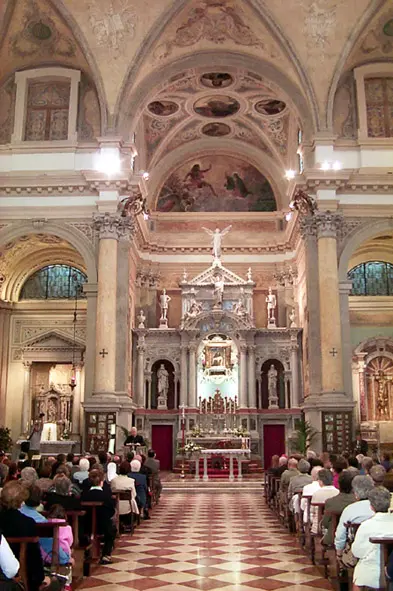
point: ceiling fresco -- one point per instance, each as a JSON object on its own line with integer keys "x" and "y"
{"x": 216, "y": 183}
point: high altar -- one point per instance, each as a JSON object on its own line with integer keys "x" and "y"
{"x": 230, "y": 377}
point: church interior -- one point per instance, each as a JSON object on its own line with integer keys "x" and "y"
{"x": 196, "y": 233}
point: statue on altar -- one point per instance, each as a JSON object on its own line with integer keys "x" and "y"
{"x": 271, "y": 301}
{"x": 164, "y": 305}
{"x": 272, "y": 387}
{"x": 217, "y": 236}
{"x": 218, "y": 291}
{"x": 162, "y": 385}
{"x": 383, "y": 394}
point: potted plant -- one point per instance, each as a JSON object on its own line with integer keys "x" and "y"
{"x": 304, "y": 435}
{"x": 5, "y": 439}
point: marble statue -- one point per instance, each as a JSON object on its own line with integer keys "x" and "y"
{"x": 218, "y": 291}
{"x": 216, "y": 240}
{"x": 195, "y": 309}
{"x": 164, "y": 301}
{"x": 141, "y": 319}
{"x": 272, "y": 386}
{"x": 271, "y": 301}
{"x": 292, "y": 319}
{"x": 249, "y": 275}
{"x": 162, "y": 386}
{"x": 239, "y": 308}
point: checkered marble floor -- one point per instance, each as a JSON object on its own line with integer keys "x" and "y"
{"x": 228, "y": 541}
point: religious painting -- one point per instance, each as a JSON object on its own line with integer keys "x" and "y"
{"x": 216, "y": 129}
{"x": 216, "y": 106}
{"x": 216, "y": 183}
{"x": 216, "y": 79}
{"x": 270, "y": 107}
{"x": 163, "y": 108}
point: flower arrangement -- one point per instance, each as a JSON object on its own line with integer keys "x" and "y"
{"x": 65, "y": 435}
{"x": 240, "y": 432}
{"x": 192, "y": 447}
{"x": 196, "y": 432}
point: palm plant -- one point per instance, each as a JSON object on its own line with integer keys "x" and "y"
{"x": 304, "y": 435}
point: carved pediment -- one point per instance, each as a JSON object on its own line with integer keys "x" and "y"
{"x": 207, "y": 278}
{"x": 52, "y": 341}
{"x": 218, "y": 320}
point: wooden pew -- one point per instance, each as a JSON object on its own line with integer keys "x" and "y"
{"x": 306, "y": 513}
{"x": 387, "y": 547}
{"x": 23, "y": 542}
{"x": 315, "y": 538}
{"x": 50, "y": 529}
{"x": 91, "y": 509}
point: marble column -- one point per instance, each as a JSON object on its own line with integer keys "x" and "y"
{"x": 295, "y": 398}
{"x": 308, "y": 230}
{"x": 330, "y": 320}
{"x": 5, "y": 328}
{"x": 90, "y": 289}
{"x": 243, "y": 376}
{"x": 26, "y": 402}
{"x": 344, "y": 290}
{"x": 76, "y": 403}
{"x": 192, "y": 401}
{"x": 252, "y": 395}
{"x": 184, "y": 375}
{"x": 363, "y": 410}
{"x": 109, "y": 228}
{"x": 140, "y": 369}
{"x": 123, "y": 325}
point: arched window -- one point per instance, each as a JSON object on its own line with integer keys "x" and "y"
{"x": 54, "y": 282}
{"x": 374, "y": 278}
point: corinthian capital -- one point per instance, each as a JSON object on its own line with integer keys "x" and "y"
{"x": 328, "y": 224}
{"x": 308, "y": 226}
{"x": 107, "y": 225}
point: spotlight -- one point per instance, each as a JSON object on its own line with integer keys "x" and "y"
{"x": 336, "y": 165}
{"x": 145, "y": 175}
{"x": 290, "y": 174}
{"x": 325, "y": 165}
{"x": 108, "y": 161}
{"x": 288, "y": 216}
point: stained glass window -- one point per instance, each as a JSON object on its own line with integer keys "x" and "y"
{"x": 374, "y": 278}
{"x": 54, "y": 282}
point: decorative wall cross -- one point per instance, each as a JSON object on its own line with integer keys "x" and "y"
{"x": 333, "y": 352}
{"x": 103, "y": 353}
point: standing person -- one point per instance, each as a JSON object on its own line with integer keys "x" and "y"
{"x": 134, "y": 438}
{"x": 35, "y": 436}
{"x": 359, "y": 446}
{"x": 154, "y": 465}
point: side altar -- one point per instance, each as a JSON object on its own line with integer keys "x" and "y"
{"x": 229, "y": 376}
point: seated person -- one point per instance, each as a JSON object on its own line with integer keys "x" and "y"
{"x": 297, "y": 483}
{"x": 286, "y": 477}
{"x": 61, "y": 494}
{"x": 105, "y": 524}
{"x": 123, "y": 482}
{"x": 337, "y": 504}
{"x": 309, "y": 490}
{"x": 44, "y": 481}
{"x": 29, "y": 509}
{"x": 339, "y": 465}
{"x": 369, "y": 571}
{"x": 82, "y": 473}
{"x": 66, "y": 539}
{"x": 28, "y": 476}
{"x": 14, "y": 524}
{"x": 325, "y": 492}
{"x": 141, "y": 487}
{"x": 9, "y": 566}
{"x": 134, "y": 438}
{"x": 111, "y": 472}
{"x": 378, "y": 474}
{"x": 154, "y": 465}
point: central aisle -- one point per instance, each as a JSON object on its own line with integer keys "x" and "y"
{"x": 228, "y": 541}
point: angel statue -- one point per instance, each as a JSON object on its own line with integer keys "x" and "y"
{"x": 216, "y": 240}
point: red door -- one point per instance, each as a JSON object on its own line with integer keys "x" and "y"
{"x": 273, "y": 442}
{"x": 162, "y": 443}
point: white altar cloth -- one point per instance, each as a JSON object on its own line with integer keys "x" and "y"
{"x": 232, "y": 453}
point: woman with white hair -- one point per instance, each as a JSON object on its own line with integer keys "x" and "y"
{"x": 83, "y": 472}
{"x": 28, "y": 476}
{"x": 369, "y": 570}
{"x": 141, "y": 487}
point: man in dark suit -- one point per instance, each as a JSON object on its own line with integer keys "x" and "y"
{"x": 105, "y": 525}
{"x": 154, "y": 465}
{"x": 134, "y": 438}
{"x": 359, "y": 446}
{"x": 141, "y": 487}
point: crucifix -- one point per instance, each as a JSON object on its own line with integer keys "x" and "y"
{"x": 182, "y": 408}
{"x": 333, "y": 352}
{"x": 103, "y": 353}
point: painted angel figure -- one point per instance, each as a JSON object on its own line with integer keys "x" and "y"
{"x": 216, "y": 240}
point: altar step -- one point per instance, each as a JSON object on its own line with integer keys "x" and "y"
{"x": 189, "y": 485}
{"x": 251, "y": 469}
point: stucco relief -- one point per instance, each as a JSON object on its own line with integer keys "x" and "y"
{"x": 344, "y": 110}
{"x": 89, "y": 119}
{"x": 217, "y": 22}
{"x": 113, "y": 24}
{"x": 7, "y": 107}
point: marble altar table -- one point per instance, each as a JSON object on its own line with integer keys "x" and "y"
{"x": 237, "y": 454}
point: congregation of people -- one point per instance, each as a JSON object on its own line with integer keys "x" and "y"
{"x": 342, "y": 502}
{"x": 60, "y": 487}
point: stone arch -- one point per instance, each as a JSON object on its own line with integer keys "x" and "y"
{"x": 358, "y": 29}
{"x": 356, "y": 238}
{"x": 262, "y": 161}
{"x": 66, "y": 232}
{"x": 136, "y": 96}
